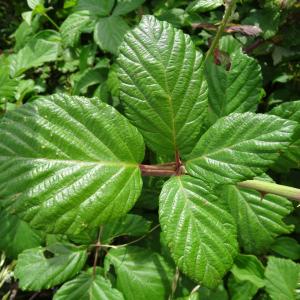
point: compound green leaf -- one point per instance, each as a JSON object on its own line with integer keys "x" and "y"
{"x": 162, "y": 85}
{"x": 258, "y": 220}
{"x": 199, "y": 231}
{"x": 74, "y": 25}
{"x": 239, "y": 146}
{"x": 235, "y": 90}
{"x": 109, "y": 33}
{"x": 87, "y": 287}
{"x": 35, "y": 271}
{"x": 123, "y": 7}
{"x": 291, "y": 157}
{"x": 16, "y": 235}
{"x": 69, "y": 162}
{"x": 282, "y": 278}
{"x": 141, "y": 273}
{"x": 98, "y": 8}
{"x": 204, "y": 5}
{"x": 131, "y": 225}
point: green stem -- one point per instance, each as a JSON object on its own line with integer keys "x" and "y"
{"x": 51, "y": 21}
{"x": 229, "y": 8}
{"x": 272, "y": 188}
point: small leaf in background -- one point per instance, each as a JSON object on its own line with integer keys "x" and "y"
{"x": 87, "y": 287}
{"x": 73, "y": 165}
{"x": 125, "y": 6}
{"x": 291, "y": 157}
{"x": 241, "y": 290}
{"x": 16, "y": 235}
{"x": 109, "y": 33}
{"x": 204, "y": 5}
{"x": 33, "y": 3}
{"x": 259, "y": 220}
{"x": 287, "y": 247}
{"x": 162, "y": 86}
{"x": 197, "y": 229}
{"x": 141, "y": 273}
{"x": 238, "y": 147}
{"x": 236, "y": 89}
{"x": 282, "y": 278}
{"x": 98, "y": 8}
{"x": 130, "y": 225}
{"x": 36, "y": 271}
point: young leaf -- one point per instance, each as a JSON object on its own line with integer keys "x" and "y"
{"x": 87, "y": 287}
{"x": 109, "y": 33}
{"x": 198, "y": 229}
{"x": 73, "y": 163}
{"x": 131, "y": 225}
{"x": 123, "y": 7}
{"x": 35, "y": 271}
{"x": 291, "y": 157}
{"x": 249, "y": 268}
{"x": 16, "y": 235}
{"x": 162, "y": 85}
{"x": 259, "y": 220}
{"x": 235, "y": 90}
{"x": 282, "y": 277}
{"x": 74, "y": 25}
{"x": 287, "y": 247}
{"x": 141, "y": 273}
{"x": 98, "y": 8}
{"x": 238, "y": 147}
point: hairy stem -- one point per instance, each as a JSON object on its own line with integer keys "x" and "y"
{"x": 229, "y": 8}
{"x": 272, "y": 188}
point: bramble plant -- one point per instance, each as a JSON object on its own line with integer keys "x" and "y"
{"x": 72, "y": 168}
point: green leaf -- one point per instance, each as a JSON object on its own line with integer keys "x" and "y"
{"x": 74, "y": 25}
{"x": 37, "y": 52}
{"x": 99, "y": 8}
{"x": 291, "y": 157}
{"x": 239, "y": 146}
{"x": 198, "y": 230}
{"x": 235, "y": 90}
{"x": 204, "y": 5}
{"x": 241, "y": 290}
{"x": 33, "y": 3}
{"x": 162, "y": 86}
{"x": 258, "y": 220}
{"x": 141, "y": 273}
{"x": 8, "y": 86}
{"x": 35, "y": 271}
{"x": 282, "y": 277}
{"x": 87, "y": 287}
{"x": 287, "y": 247}
{"x": 109, "y": 33}
{"x": 16, "y": 235}
{"x": 131, "y": 225}
{"x": 123, "y": 7}
{"x": 69, "y": 162}
{"x": 249, "y": 268}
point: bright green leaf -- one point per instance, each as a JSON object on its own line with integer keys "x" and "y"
{"x": 35, "y": 271}
{"x": 282, "y": 277}
{"x": 291, "y": 157}
{"x": 73, "y": 164}
{"x": 259, "y": 220}
{"x": 141, "y": 273}
{"x": 33, "y": 3}
{"x": 16, "y": 235}
{"x": 197, "y": 229}
{"x": 96, "y": 7}
{"x": 235, "y": 90}
{"x": 131, "y": 225}
{"x": 239, "y": 146}
{"x": 123, "y": 7}
{"x": 109, "y": 33}
{"x": 162, "y": 86}
{"x": 287, "y": 246}
{"x": 87, "y": 287}
{"x": 204, "y": 5}
{"x": 8, "y": 86}
{"x": 74, "y": 25}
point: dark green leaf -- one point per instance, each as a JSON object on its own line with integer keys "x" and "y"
{"x": 123, "y": 7}
{"x": 96, "y": 7}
